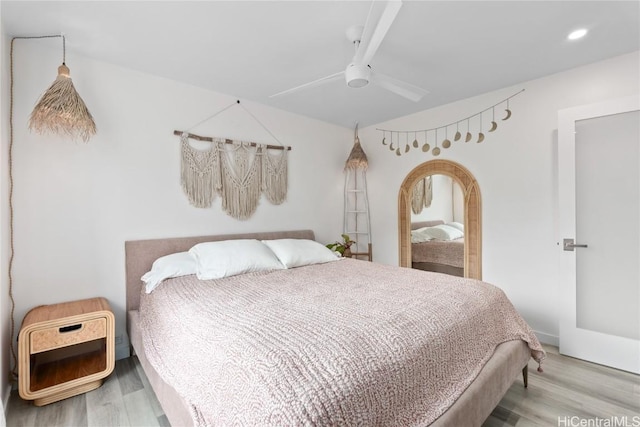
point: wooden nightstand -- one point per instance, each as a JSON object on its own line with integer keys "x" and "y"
{"x": 65, "y": 349}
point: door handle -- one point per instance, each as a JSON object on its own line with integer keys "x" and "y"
{"x": 568, "y": 245}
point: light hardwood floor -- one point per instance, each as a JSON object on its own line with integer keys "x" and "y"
{"x": 567, "y": 388}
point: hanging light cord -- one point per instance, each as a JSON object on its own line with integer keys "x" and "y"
{"x": 13, "y": 369}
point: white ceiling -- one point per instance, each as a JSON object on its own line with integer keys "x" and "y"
{"x": 250, "y": 50}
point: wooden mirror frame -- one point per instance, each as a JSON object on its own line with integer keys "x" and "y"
{"x": 472, "y": 212}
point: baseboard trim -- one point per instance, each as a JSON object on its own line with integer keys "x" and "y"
{"x": 548, "y": 338}
{"x": 122, "y": 352}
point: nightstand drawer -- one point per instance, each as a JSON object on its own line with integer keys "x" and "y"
{"x": 63, "y": 336}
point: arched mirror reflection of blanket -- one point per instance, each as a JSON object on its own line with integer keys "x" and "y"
{"x": 472, "y": 208}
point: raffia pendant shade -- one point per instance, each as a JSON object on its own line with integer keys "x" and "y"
{"x": 357, "y": 158}
{"x": 62, "y": 111}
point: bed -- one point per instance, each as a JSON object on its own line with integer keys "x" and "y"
{"x": 476, "y": 401}
{"x": 436, "y": 255}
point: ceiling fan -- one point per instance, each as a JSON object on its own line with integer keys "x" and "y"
{"x": 366, "y": 40}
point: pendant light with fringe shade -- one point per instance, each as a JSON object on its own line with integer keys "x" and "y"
{"x": 61, "y": 109}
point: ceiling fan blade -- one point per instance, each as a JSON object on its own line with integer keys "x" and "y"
{"x": 314, "y": 83}
{"x": 407, "y": 90}
{"x": 375, "y": 29}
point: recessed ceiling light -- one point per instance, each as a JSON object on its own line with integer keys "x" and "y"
{"x": 577, "y": 34}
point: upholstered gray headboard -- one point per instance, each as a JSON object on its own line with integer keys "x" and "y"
{"x": 421, "y": 224}
{"x": 140, "y": 254}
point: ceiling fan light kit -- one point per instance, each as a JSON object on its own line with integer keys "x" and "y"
{"x": 357, "y": 75}
{"x": 366, "y": 41}
{"x": 446, "y": 143}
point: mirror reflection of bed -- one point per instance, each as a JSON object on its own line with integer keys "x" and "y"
{"x": 437, "y": 225}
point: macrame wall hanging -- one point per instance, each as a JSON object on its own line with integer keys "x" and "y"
{"x": 422, "y": 195}
{"x": 237, "y": 171}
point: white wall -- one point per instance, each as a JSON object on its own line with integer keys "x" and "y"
{"x": 516, "y": 168}
{"x": 76, "y": 203}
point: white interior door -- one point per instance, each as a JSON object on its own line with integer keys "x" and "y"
{"x": 599, "y": 224}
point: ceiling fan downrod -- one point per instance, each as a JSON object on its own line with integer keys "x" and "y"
{"x": 356, "y": 75}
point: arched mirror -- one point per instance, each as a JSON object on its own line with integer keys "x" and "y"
{"x": 450, "y": 219}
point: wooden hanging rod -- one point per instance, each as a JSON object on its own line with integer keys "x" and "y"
{"x": 228, "y": 141}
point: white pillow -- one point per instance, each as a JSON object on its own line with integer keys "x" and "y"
{"x": 166, "y": 267}
{"x": 216, "y": 260}
{"x": 299, "y": 252}
{"x": 457, "y": 225}
{"x": 417, "y": 236}
{"x": 440, "y": 232}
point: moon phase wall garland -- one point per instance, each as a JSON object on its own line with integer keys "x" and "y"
{"x": 472, "y": 124}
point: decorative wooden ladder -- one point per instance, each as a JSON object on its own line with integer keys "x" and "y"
{"x": 357, "y": 221}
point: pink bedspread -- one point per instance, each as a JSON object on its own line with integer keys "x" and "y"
{"x": 449, "y": 252}
{"x": 343, "y": 343}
